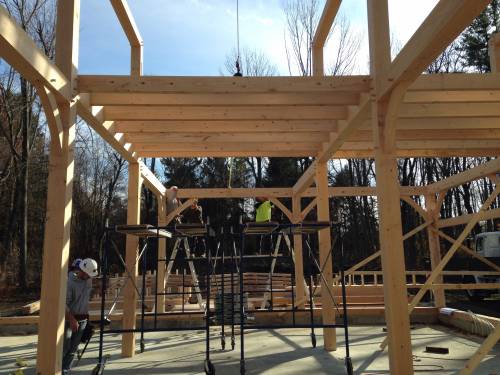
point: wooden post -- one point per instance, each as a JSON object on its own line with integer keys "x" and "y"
{"x": 299, "y": 259}
{"x": 59, "y": 204}
{"x": 136, "y": 61}
{"x": 132, "y": 243}
{"x": 434, "y": 247}
{"x": 384, "y": 115}
{"x": 494, "y": 50}
{"x": 325, "y": 261}
{"x": 162, "y": 253}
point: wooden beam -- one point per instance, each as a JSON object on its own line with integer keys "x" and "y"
{"x": 249, "y": 126}
{"x": 446, "y": 81}
{"x": 300, "y": 292}
{"x": 59, "y": 195}
{"x": 162, "y": 252}
{"x": 475, "y": 173}
{"x": 171, "y": 215}
{"x": 163, "y": 84}
{"x": 494, "y": 51}
{"x": 325, "y": 23}
{"x": 221, "y": 146}
{"x": 464, "y": 219}
{"x": 151, "y": 181}
{"x": 53, "y": 116}
{"x": 132, "y": 243}
{"x": 305, "y": 180}
{"x": 453, "y": 96}
{"x": 449, "y": 123}
{"x": 436, "y": 110}
{"x": 346, "y": 128}
{"x": 325, "y": 258}
{"x": 20, "y": 51}
{"x": 310, "y": 112}
{"x": 349, "y": 191}
{"x": 278, "y": 98}
{"x": 481, "y": 352}
{"x": 383, "y": 117}
{"x": 270, "y": 138}
{"x": 127, "y": 21}
{"x": 434, "y": 246}
{"x": 444, "y": 23}
{"x": 282, "y": 208}
{"x": 309, "y": 207}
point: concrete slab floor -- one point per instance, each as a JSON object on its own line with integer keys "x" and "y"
{"x": 276, "y": 352}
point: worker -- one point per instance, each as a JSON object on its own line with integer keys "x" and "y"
{"x": 263, "y": 209}
{"x": 173, "y": 202}
{"x": 77, "y": 308}
{"x": 193, "y": 214}
{"x": 75, "y": 265}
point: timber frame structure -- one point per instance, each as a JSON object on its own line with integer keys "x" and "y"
{"x": 394, "y": 112}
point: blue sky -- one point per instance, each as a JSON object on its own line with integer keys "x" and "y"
{"x": 193, "y": 37}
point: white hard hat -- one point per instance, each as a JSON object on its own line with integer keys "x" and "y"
{"x": 89, "y": 266}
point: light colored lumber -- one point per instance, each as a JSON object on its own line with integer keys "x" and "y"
{"x": 325, "y": 259}
{"x": 127, "y": 21}
{"x": 494, "y": 51}
{"x": 59, "y": 198}
{"x": 309, "y": 112}
{"x": 162, "y": 252}
{"x": 164, "y": 84}
{"x": 300, "y": 292}
{"x": 481, "y": 352}
{"x": 53, "y": 116}
{"x": 277, "y": 99}
{"x": 452, "y": 96}
{"x": 282, "y": 207}
{"x": 20, "y": 51}
{"x": 446, "y": 81}
{"x": 471, "y": 174}
{"x": 464, "y": 219}
{"x": 444, "y": 23}
{"x": 436, "y": 110}
{"x": 132, "y": 243}
{"x": 171, "y": 215}
{"x": 222, "y": 146}
{"x": 151, "y": 181}
{"x": 434, "y": 246}
{"x": 383, "y": 117}
{"x": 321, "y": 34}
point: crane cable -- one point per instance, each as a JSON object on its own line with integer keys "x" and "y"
{"x": 238, "y": 67}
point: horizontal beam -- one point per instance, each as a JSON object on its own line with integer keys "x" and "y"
{"x": 21, "y": 53}
{"x": 309, "y": 112}
{"x": 248, "y": 126}
{"x": 464, "y": 219}
{"x": 433, "y": 110}
{"x": 444, "y": 23}
{"x": 127, "y": 21}
{"x": 475, "y": 173}
{"x": 349, "y": 191}
{"x": 455, "y": 81}
{"x": 279, "y": 98}
{"x": 163, "y": 84}
{"x": 452, "y": 96}
{"x": 270, "y": 137}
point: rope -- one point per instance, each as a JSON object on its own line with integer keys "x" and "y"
{"x": 480, "y": 326}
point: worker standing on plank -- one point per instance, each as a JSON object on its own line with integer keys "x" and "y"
{"x": 77, "y": 308}
{"x": 263, "y": 210}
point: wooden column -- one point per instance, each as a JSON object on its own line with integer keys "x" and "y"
{"x": 132, "y": 243}
{"x": 434, "y": 247}
{"x": 162, "y": 252}
{"x": 325, "y": 261}
{"x": 59, "y": 204}
{"x": 494, "y": 50}
{"x": 384, "y": 115}
{"x": 136, "y": 61}
{"x": 299, "y": 259}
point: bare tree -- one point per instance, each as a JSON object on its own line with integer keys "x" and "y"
{"x": 254, "y": 63}
{"x": 302, "y": 17}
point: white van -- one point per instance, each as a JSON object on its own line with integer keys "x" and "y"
{"x": 488, "y": 245}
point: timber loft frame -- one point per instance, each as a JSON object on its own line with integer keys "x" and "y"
{"x": 394, "y": 112}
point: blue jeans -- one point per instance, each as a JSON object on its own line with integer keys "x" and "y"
{"x": 71, "y": 342}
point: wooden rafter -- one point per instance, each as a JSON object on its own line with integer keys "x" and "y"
{"x": 325, "y": 23}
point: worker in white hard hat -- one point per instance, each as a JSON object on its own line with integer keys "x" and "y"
{"x": 77, "y": 308}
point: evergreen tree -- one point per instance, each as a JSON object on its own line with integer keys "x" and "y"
{"x": 474, "y": 40}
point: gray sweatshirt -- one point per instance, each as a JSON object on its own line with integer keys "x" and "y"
{"x": 78, "y": 294}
